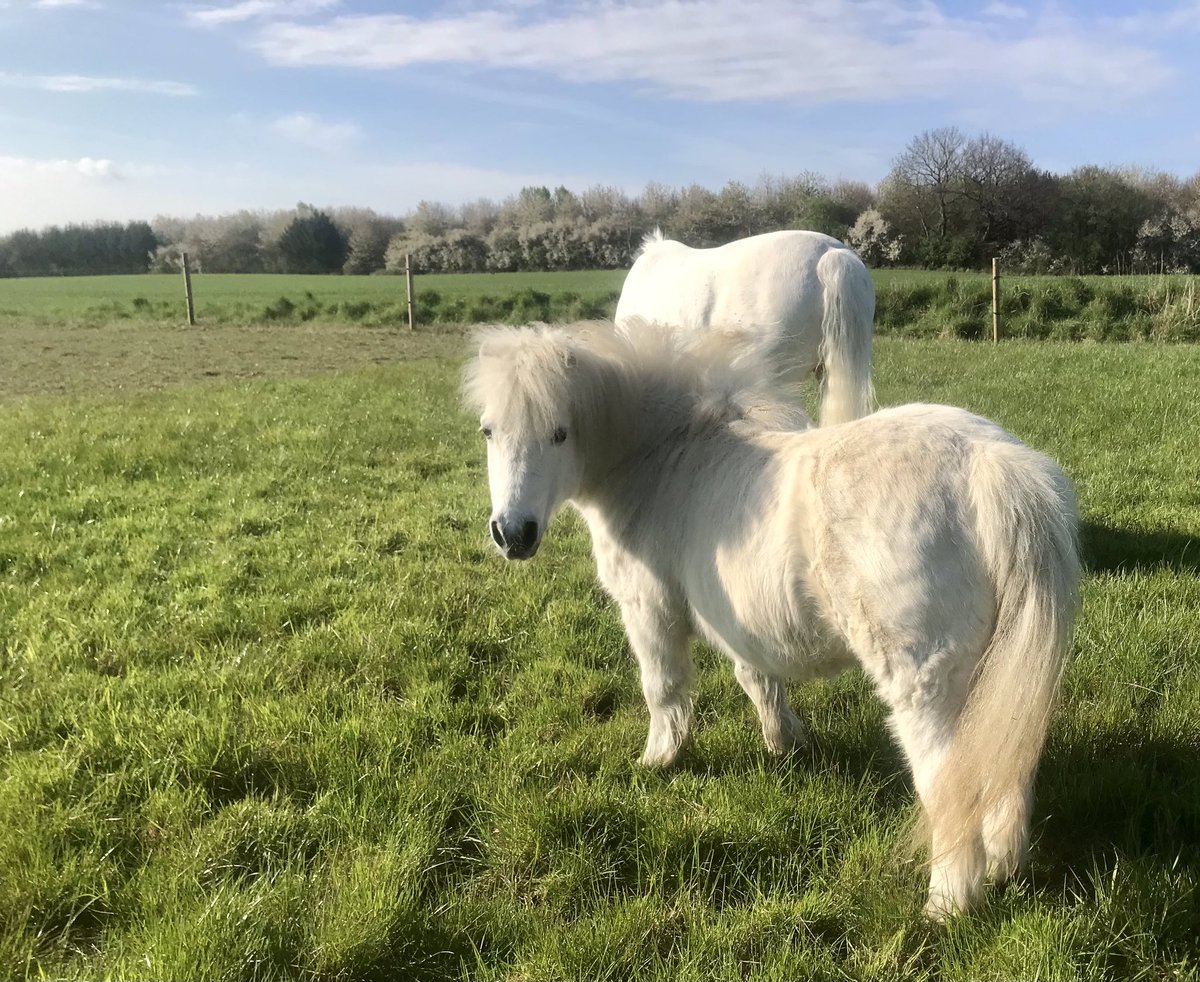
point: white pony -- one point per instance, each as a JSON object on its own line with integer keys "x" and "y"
{"x": 804, "y": 300}
{"x": 923, "y": 543}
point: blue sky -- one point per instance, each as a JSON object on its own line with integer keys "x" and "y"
{"x": 117, "y": 110}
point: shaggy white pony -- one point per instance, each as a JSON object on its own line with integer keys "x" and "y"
{"x": 802, "y": 300}
{"x": 922, "y": 543}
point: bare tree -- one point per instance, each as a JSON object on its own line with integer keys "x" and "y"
{"x": 930, "y": 166}
{"x": 1006, "y": 194}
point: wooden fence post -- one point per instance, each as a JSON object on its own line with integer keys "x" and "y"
{"x": 187, "y": 289}
{"x": 408, "y": 290}
{"x": 995, "y": 301}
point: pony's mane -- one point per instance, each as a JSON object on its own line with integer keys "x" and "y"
{"x": 534, "y": 376}
{"x": 649, "y": 240}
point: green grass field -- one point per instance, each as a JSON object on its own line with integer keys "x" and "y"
{"x": 256, "y": 298}
{"x": 913, "y": 303}
{"x": 274, "y": 709}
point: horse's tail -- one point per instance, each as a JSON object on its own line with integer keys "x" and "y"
{"x": 849, "y": 298}
{"x": 1026, "y": 526}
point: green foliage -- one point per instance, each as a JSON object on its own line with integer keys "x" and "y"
{"x": 78, "y": 250}
{"x": 312, "y": 243}
{"x": 273, "y": 708}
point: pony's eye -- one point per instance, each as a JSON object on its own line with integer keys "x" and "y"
{"x": 560, "y": 435}
{"x": 486, "y": 431}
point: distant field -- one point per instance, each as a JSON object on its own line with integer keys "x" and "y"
{"x": 255, "y": 298}
{"x": 917, "y": 303}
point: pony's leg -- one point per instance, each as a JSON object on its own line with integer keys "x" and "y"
{"x": 1006, "y": 834}
{"x": 957, "y": 857}
{"x": 661, "y": 643}
{"x": 781, "y": 728}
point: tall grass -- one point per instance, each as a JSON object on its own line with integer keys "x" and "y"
{"x": 1069, "y": 308}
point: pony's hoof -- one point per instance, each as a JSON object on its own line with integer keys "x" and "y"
{"x": 1002, "y": 869}
{"x": 660, "y": 757}
{"x": 786, "y": 740}
{"x": 940, "y": 909}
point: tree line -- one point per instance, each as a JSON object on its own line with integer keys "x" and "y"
{"x": 949, "y": 201}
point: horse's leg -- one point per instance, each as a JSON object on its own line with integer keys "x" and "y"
{"x": 660, "y": 639}
{"x": 924, "y": 720}
{"x": 781, "y": 728}
{"x": 1006, "y": 834}
{"x": 956, "y": 854}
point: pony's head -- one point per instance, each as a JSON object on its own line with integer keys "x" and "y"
{"x": 558, "y": 407}
{"x": 521, "y": 383}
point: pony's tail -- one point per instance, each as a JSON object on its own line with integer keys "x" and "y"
{"x": 849, "y": 298}
{"x": 1026, "y": 523}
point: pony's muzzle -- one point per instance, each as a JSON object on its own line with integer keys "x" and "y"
{"x": 517, "y": 540}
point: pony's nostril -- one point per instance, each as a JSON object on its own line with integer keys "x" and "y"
{"x": 497, "y": 533}
{"x": 529, "y": 533}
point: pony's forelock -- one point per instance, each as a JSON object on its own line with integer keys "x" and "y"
{"x": 538, "y": 377}
{"x": 519, "y": 377}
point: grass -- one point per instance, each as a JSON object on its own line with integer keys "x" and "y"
{"x": 1064, "y": 308}
{"x": 912, "y": 303}
{"x": 372, "y": 301}
{"x": 273, "y": 709}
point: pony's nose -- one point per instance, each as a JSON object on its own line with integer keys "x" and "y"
{"x": 515, "y": 540}
{"x": 529, "y": 533}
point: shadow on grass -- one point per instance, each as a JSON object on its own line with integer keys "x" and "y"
{"x": 1110, "y": 549}
{"x": 1123, "y": 795}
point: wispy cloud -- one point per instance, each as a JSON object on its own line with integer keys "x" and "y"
{"x": 57, "y": 4}
{"x": 92, "y": 83}
{"x": 90, "y": 168}
{"x": 313, "y": 131}
{"x": 237, "y": 13}
{"x": 758, "y": 50}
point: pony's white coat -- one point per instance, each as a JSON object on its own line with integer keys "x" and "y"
{"x": 803, "y": 300}
{"x": 922, "y": 543}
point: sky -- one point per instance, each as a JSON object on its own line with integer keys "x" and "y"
{"x": 125, "y": 110}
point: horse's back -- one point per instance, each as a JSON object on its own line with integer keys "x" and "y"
{"x": 762, "y": 281}
{"x": 907, "y": 505}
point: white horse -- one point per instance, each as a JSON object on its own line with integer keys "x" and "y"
{"x": 804, "y": 300}
{"x": 923, "y": 543}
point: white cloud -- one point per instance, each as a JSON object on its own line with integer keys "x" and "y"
{"x": 91, "y": 83}
{"x": 758, "y": 50}
{"x": 57, "y": 4}
{"x": 88, "y": 168}
{"x": 313, "y": 131}
{"x": 41, "y": 192}
{"x": 237, "y": 13}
